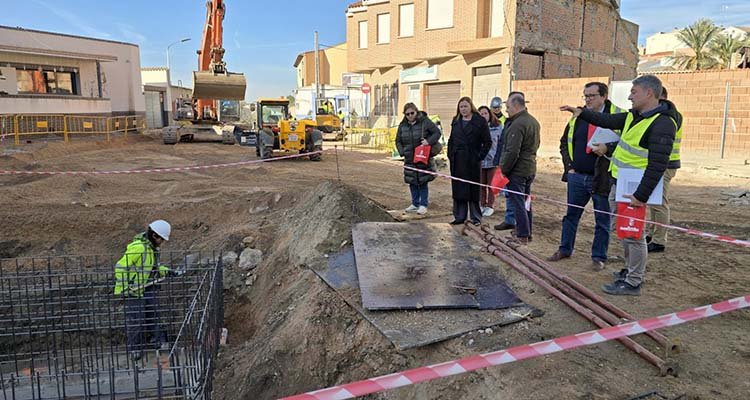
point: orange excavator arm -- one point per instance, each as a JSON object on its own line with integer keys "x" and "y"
{"x": 212, "y": 81}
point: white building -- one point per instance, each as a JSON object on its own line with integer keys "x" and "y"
{"x": 160, "y": 96}
{"x": 53, "y": 73}
{"x": 667, "y": 42}
{"x": 346, "y": 99}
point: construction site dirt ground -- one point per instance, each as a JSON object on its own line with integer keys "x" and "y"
{"x": 289, "y": 332}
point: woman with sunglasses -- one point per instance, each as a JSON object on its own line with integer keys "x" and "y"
{"x": 469, "y": 143}
{"x": 414, "y": 130}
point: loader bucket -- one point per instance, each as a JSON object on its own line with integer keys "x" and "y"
{"x": 207, "y": 85}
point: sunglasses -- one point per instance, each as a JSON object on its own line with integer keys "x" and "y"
{"x": 410, "y": 113}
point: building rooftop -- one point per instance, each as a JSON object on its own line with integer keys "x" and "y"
{"x": 18, "y": 28}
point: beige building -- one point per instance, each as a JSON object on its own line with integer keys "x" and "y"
{"x": 432, "y": 52}
{"x": 333, "y": 64}
{"x": 53, "y": 73}
{"x": 160, "y": 96}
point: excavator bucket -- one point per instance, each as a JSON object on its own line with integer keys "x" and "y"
{"x": 207, "y": 85}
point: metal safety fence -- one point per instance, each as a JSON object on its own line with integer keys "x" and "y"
{"x": 65, "y": 334}
{"x": 15, "y": 128}
{"x": 380, "y": 139}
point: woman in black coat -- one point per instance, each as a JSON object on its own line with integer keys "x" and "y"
{"x": 469, "y": 143}
{"x": 414, "y": 130}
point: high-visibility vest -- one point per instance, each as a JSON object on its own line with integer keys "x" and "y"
{"x": 613, "y": 109}
{"x": 675, "y": 155}
{"x": 629, "y": 153}
{"x": 135, "y": 267}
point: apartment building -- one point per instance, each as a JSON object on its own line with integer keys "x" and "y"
{"x": 432, "y": 52}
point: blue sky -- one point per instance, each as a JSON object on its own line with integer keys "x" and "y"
{"x": 262, "y": 38}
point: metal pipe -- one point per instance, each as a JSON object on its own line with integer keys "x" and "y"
{"x": 724, "y": 122}
{"x": 669, "y": 346}
{"x": 664, "y": 367}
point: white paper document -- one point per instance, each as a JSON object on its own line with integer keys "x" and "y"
{"x": 603, "y": 135}
{"x": 628, "y": 180}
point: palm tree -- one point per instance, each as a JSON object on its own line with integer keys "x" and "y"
{"x": 697, "y": 37}
{"x": 723, "y": 47}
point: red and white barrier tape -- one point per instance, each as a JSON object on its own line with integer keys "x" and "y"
{"x": 472, "y": 363}
{"x": 156, "y": 170}
{"x": 707, "y": 235}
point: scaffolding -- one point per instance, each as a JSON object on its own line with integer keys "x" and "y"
{"x": 63, "y": 331}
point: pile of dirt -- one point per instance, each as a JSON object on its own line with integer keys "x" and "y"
{"x": 289, "y": 332}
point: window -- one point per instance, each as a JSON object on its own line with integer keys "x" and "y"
{"x": 376, "y": 96}
{"x": 497, "y": 18}
{"x": 40, "y": 81}
{"x": 362, "y": 34}
{"x": 384, "y": 28}
{"x": 439, "y": 14}
{"x": 394, "y": 99}
{"x": 406, "y": 20}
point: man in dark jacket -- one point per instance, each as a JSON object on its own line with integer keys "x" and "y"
{"x": 414, "y": 130}
{"x": 657, "y": 239}
{"x": 518, "y": 161}
{"x": 587, "y": 175}
{"x": 648, "y": 133}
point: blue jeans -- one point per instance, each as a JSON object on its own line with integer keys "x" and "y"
{"x": 419, "y": 195}
{"x": 579, "y": 193}
{"x": 142, "y": 321}
{"x": 510, "y": 218}
{"x": 520, "y": 184}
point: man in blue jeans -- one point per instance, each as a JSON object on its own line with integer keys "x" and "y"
{"x": 588, "y": 178}
{"x": 518, "y": 162}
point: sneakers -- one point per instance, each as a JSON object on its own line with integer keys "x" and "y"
{"x": 411, "y": 209}
{"x": 620, "y": 275}
{"x": 422, "y": 210}
{"x": 597, "y": 265}
{"x": 487, "y": 211}
{"x": 655, "y": 248}
{"x": 622, "y": 288}
{"x": 504, "y": 226}
{"x": 521, "y": 240}
{"x": 557, "y": 256}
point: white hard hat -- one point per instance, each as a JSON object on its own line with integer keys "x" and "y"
{"x": 161, "y": 228}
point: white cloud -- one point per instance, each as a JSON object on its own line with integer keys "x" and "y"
{"x": 75, "y": 20}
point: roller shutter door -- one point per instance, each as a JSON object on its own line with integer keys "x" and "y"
{"x": 442, "y": 99}
{"x": 486, "y": 85}
{"x": 153, "y": 110}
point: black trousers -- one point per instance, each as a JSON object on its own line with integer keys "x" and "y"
{"x": 462, "y": 207}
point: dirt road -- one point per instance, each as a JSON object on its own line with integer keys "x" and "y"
{"x": 290, "y": 333}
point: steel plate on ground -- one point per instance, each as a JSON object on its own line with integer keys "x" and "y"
{"x": 423, "y": 266}
{"x": 409, "y": 328}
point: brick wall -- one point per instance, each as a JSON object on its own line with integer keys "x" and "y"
{"x": 544, "y": 100}
{"x": 699, "y": 96}
{"x": 577, "y": 37}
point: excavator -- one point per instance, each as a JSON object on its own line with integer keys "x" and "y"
{"x": 216, "y": 91}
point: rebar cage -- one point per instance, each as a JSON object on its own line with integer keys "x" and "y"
{"x": 63, "y": 331}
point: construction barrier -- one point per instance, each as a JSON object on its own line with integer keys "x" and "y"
{"x": 382, "y": 139}
{"x": 66, "y": 127}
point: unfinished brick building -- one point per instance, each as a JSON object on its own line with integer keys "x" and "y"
{"x": 431, "y": 52}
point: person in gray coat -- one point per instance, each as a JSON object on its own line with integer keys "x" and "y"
{"x": 490, "y": 162}
{"x": 414, "y": 130}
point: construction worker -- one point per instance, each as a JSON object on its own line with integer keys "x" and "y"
{"x": 341, "y": 116}
{"x": 648, "y": 132}
{"x": 136, "y": 275}
{"x": 657, "y": 239}
{"x": 587, "y": 175}
{"x": 496, "y": 105}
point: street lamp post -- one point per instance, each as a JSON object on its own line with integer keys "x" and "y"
{"x": 169, "y": 69}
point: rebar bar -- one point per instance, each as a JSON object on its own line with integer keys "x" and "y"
{"x": 63, "y": 330}
{"x": 664, "y": 367}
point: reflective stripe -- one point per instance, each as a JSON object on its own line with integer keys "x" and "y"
{"x": 623, "y": 164}
{"x": 678, "y": 141}
{"x": 675, "y": 150}
{"x": 630, "y": 149}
